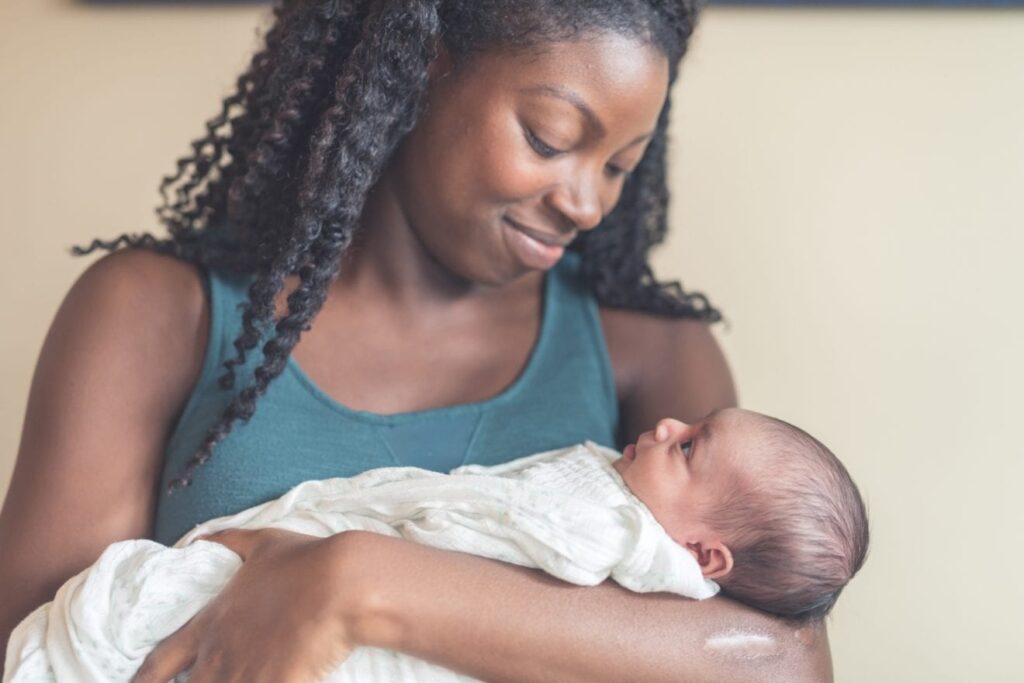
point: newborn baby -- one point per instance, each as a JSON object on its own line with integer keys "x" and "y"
{"x": 766, "y": 509}
{"x": 745, "y": 500}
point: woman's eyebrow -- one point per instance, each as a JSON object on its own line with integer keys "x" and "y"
{"x": 576, "y": 100}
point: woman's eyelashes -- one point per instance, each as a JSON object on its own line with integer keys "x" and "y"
{"x": 540, "y": 147}
{"x": 547, "y": 151}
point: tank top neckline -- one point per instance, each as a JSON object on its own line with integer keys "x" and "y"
{"x": 506, "y": 395}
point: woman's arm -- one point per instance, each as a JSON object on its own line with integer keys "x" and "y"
{"x": 299, "y": 604}
{"x": 502, "y": 623}
{"x": 120, "y": 358}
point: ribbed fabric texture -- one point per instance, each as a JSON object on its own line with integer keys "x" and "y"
{"x": 565, "y": 395}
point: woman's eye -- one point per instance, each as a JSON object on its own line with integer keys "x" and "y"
{"x": 687, "y": 448}
{"x": 542, "y": 148}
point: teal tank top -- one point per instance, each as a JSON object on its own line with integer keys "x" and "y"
{"x": 564, "y": 395}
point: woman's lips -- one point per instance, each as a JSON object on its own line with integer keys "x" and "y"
{"x": 529, "y": 249}
{"x": 542, "y": 236}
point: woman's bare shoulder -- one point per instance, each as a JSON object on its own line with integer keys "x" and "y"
{"x": 665, "y": 367}
{"x": 143, "y": 299}
{"x": 176, "y": 283}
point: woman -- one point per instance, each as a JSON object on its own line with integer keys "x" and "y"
{"x": 410, "y": 174}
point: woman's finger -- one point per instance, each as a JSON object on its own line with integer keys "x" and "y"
{"x": 172, "y": 656}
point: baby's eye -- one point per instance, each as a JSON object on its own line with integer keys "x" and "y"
{"x": 686, "y": 447}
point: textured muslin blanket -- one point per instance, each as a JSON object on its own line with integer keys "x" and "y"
{"x": 567, "y": 512}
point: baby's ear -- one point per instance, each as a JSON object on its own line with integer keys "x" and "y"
{"x": 715, "y": 559}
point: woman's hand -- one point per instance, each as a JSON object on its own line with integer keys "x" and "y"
{"x": 279, "y": 619}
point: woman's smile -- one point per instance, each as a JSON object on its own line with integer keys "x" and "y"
{"x": 548, "y": 237}
{"x": 532, "y": 249}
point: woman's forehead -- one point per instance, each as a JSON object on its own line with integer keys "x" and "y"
{"x": 612, "y": 76}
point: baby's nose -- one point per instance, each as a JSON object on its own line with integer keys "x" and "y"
{"x": 668, "y": 427}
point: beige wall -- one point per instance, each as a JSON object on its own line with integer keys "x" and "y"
{"x": 849, "y": 189}
{"x": 844, "y": 189}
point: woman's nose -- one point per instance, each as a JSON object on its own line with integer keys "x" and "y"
{"x": 579, "y": 200}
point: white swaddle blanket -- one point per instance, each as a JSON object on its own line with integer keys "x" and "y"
{"x": 567, "y": 512}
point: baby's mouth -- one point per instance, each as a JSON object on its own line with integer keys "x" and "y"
{"x": 629, "y": 452}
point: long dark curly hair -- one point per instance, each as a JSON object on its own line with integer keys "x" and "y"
{"x": 276, "y": 186}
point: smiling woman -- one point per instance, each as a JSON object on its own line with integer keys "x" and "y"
{"x": 369, "y": 263}
{"x": 521, "y": 162}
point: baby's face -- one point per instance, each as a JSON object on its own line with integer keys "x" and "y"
{"x": 680, "y": 469}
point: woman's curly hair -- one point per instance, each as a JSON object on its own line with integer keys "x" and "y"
{"x": 276, "y": 186}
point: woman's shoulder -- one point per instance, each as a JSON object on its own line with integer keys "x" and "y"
{"x": 665, "y": 366}
{"x": 138, "y": 267}
{"x": 145, "y": 286}
{"x": 147, "y": 305}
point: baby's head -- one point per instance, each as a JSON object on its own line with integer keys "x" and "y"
{"x": 767, "y": 510}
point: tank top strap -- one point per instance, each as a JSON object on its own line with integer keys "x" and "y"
{"x": 577, "y": 335}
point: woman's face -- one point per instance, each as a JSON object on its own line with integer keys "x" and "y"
{"x": 516, "y": 153}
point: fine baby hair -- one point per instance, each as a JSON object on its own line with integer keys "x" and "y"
{"x": 796, "y": 525}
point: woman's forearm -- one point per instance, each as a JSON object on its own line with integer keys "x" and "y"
{"x": 502, "y": 623}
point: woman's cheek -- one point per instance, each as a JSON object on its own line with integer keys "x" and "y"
{"x": 508, "y": 169}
